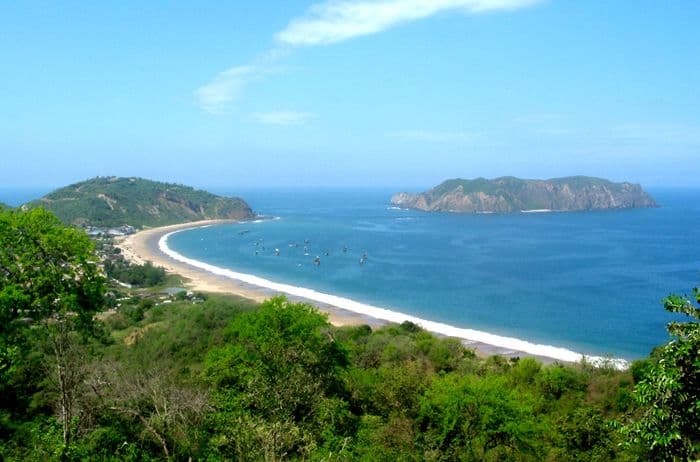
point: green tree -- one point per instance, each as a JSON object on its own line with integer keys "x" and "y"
{"x": 46, "y": 269}
{"x": 668, "y": 394}
{"x": 471, "y": 419}
{"x": 50, "y": 288}
{"x": 278, "y": 383}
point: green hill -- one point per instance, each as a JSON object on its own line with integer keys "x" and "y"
{"x": 510, "y": 194}
{"x": 114, "y": 201}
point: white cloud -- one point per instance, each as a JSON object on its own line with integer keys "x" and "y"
{"x": 337, "y": 21}
{"x": 227, "y": 86}
{"x": 283, "y": 117}
{"x": 224, "y": 88}
{"x": 436, "y": 136}
{"x": 331, "y": 22}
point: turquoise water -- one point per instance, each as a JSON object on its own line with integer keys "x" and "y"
{"x": 590, "y": 281}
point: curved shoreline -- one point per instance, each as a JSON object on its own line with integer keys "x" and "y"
{"x": 143, "y": 246}
{"x": 152, "y": 245}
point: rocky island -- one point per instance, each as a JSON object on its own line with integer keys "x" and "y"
{"x": 115, "y": 201}
{"x": 510, "y": 194}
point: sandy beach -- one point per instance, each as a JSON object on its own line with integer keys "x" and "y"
{"x": 148, "y": 245}
{"x": 143, "y": 246}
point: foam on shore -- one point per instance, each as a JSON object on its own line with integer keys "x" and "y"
{"x": 509, "y": 343}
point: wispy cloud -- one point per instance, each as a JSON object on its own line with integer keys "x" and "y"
{"x": 227, "y": 86}
{"x": 539, "y": 118}
{"x": 659, "y": 133}
{"x": 283, "y": 117}
{"x": 224, "y": 88}
{"x": 436, "y": 136}
{"x": 337, "y": 21}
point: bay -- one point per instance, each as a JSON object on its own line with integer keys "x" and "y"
{"x": 588, "y": 281}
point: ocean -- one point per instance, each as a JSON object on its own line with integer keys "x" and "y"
{"x": 590, "y": 282}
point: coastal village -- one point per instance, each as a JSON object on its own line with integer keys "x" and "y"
{"x": 97, "y": 231}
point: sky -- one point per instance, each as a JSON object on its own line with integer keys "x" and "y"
{"x": 401, "y": 93}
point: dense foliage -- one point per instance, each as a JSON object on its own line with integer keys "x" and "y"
{"x": 146, "y": 275}
{"x": 225, "y": 379}
{"x": 46, "y": 269}
{"x": 50, "y": 289}
{"x": 669, "y": 390}
{"x": 117, "y": 268}
{"x": 112, "y": 201}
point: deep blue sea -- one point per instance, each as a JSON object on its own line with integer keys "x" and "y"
{"x": 587, "y": 281}
{"x": 591, "y": 282}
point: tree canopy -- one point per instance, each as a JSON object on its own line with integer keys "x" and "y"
{"x": 46, "y": 269}
{"x": 50, "y": 288}
{"x": 669, "y": 391}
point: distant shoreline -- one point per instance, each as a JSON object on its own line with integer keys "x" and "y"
{"x": 151, "y": 245}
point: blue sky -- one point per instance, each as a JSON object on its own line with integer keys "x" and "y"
{"x": 350, "y": 93}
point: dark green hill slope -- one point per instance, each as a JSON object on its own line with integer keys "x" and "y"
{"x": 510, "y": 194}
{"x": 114, "y": 201}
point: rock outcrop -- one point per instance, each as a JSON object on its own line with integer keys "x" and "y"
{"x": 509, "y": 194}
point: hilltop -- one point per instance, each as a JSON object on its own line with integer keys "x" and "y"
{"x": 115, "y": 201}
{"x": 510, "y": 194}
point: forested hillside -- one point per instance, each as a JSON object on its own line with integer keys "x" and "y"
{"x": 113, "y": 201}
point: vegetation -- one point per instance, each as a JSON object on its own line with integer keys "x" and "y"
{"x": 117, "y": 268}
{"x": 669, "y": 391}
{"x": 145, "y": 275}
{"x": 510, "y": 194}
{"x": 49, "y": 292}
{"x": 156, "y": 378}
{"x": 516, "y": 185}
{"x": 112, "y": 202}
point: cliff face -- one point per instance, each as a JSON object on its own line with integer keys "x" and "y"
{"x": 508, "y": 194}
{"x": 112, "y": 201}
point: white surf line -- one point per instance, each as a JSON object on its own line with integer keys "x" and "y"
{"x": 509, "y": 343}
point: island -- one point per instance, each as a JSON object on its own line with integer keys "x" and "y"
{"x": 510, "y": 194}
{"x": 137, "y": 202}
